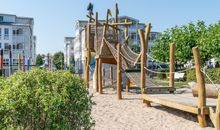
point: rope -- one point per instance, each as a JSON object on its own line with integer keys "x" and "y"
{"x": 167, "y": 72}
{"x": 112, "y": 47}
{"x": 203, "y": 71}
{"x": 157, "y": 60}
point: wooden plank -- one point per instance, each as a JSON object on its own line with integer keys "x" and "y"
{"x": 119, "y": 73}
{"x": 201, "y": 87}
{"x": 172, "y": 65}
{"x": 173, "y": 104}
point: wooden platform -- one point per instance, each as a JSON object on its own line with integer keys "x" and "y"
{"x": 184, "y": 102}
{"x": 149, "y": 89}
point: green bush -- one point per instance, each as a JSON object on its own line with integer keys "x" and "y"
{"x": 214, "y": 74}
{"x": 161, "y": 72}
{"x": 40, "y": 99}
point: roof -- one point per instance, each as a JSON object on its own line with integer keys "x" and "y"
{"x": 17, "y": 16}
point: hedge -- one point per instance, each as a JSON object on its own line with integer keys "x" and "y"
{"x": 214, "y": 74}
{"x": 40, "y": 99}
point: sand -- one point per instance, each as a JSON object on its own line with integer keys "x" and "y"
{"x": 130, "y": 113}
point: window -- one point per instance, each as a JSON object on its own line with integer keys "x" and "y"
{"x": 6, "y": 35}
{"x": 6, "y": 31}
{"x": 133, "y": 36}
{"x": 19, "y": 46}
{"x": 1, "y": 18}
{"x": 15, "y": 61}
{"x": 0, "y": 33}
{"x": 0, "y": 45}
{"x": 14, "y": 47}
{"x": 6, "y": 61}
{"x": 6, "y": 46}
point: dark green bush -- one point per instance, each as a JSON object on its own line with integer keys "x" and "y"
{"x": 40, "y": 99}
{"x": 214, "y": 74}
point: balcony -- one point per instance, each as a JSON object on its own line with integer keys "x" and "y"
{"x": 18, "y": 38}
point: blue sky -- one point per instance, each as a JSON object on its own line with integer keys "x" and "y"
{"x": 54, "y": 19}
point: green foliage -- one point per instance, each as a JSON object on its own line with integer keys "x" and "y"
{"x": 39, "y": 60}
{"x": 214, "y": 74}
{"x": 58, "y": 60}
{"x": 185, "y": 38}
{"x": 72, "y": 60}
{"x": 161, "y": 74}
{"x": 40, "y": 99}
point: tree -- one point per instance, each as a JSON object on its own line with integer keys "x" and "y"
{"x": 39, "y": 60}
{"x": 58, "y": 60}
{"x": 185, "y": 37}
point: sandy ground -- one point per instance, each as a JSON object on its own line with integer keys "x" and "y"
{"x": 131, "y": 114}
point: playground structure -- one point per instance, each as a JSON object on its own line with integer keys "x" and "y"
{"x": 110, "y": 44}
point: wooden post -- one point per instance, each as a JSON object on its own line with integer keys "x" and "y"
{"x": 172, "y": 65}
{"x": 201, "y": 87}
{"x": 1, "y": 62}
{"x": 96, "y": 33}
{"x": 103, "y": 72}
{"x": 119, "y": 69}
{"x": 96, "y": 74}
{"x": 111, "y": 75}
{"x": 100, "y": 76}
{"x": 218, "y": 113}
{"x": 116, "y": 19}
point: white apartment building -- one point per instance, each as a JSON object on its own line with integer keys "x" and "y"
{"x": 68, "y": 50}
{"x": 17, "y": 32}
{"x": 79, "y": 41}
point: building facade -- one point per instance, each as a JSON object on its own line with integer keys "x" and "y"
{"x": 79, "y": 41}
{"x": 17, "y": 33}
{"x": 68, "y": 50}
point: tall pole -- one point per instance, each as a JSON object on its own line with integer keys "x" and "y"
{"x": 88, "y": 55}
{"x": 28, "y": 63}
{"x": 119, "y": 71}
{"x": 97, "y": 53}
{"x": 201, "y": 87}
{"x": 10, "y": 60}
{"x": 23, "y": 61}
{"x": 172, "y": 65}
{"x": 19, "y": 61}
{"x": 1, "y": 62}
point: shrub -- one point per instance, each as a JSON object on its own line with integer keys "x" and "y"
{"x": 214, "y": 74}
{"x": 40, "y": 99}
{"x": 161, "y": 74}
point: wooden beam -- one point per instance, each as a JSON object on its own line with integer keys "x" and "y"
{"x": 100, "y": 76}
{"x": 172, "y": 65}
{"x": 143, "y": 59}
{"x": 96, "y": 74}
{"x": 201, "y": 87}
{"x": 96, "y": 33}
{"x": 119, "y": 72}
